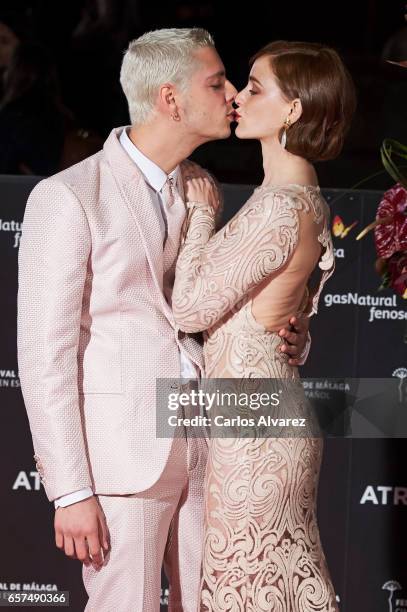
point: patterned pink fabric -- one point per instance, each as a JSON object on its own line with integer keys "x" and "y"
{"x": 94, "y": 329}
{"x": 262, "y": 549}
{"x": 163, "y": 523}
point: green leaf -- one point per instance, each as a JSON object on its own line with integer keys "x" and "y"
{"x": 392, "y": 148}
{"x": 385, "y": 281}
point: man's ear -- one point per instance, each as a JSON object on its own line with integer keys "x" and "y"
{"x": 167, "y": 102}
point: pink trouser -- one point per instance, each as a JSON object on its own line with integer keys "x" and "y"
{"x": 162, "y": 525}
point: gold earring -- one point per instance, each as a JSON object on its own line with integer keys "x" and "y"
{"x": 176, "y": 116}
{"x": 287, "y": 124}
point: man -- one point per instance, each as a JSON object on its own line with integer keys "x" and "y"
{"x": 96, "y": 329}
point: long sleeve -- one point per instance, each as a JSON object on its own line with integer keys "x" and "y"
{"x": 53, "y": 258}
{"x": 214, "y": 271}
{"x": 304, "y": 355}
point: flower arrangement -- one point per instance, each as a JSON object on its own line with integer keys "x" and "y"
{"x": 390, "y": 226}
{"x": 391, "y": 239}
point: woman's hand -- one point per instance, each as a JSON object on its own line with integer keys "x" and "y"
{"x": 199, "y": 187}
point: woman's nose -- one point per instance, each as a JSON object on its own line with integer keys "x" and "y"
{"x": 231, "y": 91}
{"x": 239, "y": 98}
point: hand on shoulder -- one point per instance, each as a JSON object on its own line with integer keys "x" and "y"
{"x": 200, "y": 187}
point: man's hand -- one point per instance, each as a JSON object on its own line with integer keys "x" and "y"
{"x": 295, "y": 339}
{"x": 81, "y": 530}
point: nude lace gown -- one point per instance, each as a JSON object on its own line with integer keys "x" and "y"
{"x": 262, "y": 549}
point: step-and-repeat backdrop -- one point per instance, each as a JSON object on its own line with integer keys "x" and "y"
{"x": 363, "y": 485}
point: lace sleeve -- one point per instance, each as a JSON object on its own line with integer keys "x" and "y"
{"x": 327, "y": 262}
{"x": 214, "y": 271}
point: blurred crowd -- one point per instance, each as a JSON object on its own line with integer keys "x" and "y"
{"x": 57, "y": 107}
{"x": 60, "y": 93}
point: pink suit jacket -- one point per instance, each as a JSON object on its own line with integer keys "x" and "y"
{"x": 94, "y": 329}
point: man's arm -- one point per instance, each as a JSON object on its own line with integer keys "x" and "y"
{"x": 53, "y": 259}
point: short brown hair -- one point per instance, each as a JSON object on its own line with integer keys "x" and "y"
{"x": 316, "y": 75}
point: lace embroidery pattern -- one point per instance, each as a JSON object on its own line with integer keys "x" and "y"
{"x": 215, "y": 271}
{"x": 262, "y": 549}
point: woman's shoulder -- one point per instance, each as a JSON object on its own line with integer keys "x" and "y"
{"x": 294, "y": 195}
{"x": 289, "y": 188}
{"x": 292, "y": 199}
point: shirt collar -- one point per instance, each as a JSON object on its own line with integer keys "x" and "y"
{"x": 154, "y": 175}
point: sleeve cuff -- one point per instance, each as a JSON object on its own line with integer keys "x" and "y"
{"x": 304, "y": 355}
{"x": 72, "y": 498}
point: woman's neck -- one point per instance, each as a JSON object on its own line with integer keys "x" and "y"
{"x": 281, "y": 167}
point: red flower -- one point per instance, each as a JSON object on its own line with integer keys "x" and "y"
{"x": 391, "y": 237}
{"x": 397, "y": 269}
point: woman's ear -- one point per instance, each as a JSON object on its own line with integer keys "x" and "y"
{"x": 296, "y": 111}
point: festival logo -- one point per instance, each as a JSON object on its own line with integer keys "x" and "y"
{"x": 9, "y": 379}
{"x": 14, "y": 227}
{"x": 387, "y": 305}
{"x": 339, "y": 253}
{"x": 339, "y": 229}
{"x": 401, "y": 374}
{"x": 395, "y": 603}
{"x": 28, "y": 586}
{"x": 384, "y": 496}
{"x": 30, "y": 481}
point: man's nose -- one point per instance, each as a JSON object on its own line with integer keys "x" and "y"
{"x": 231, "y": 91}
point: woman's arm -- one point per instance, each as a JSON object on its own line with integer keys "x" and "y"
{"x": 214, "y": 271}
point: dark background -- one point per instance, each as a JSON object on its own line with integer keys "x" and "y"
{"x": 364, "y": 542}
{"x": 363, "y": 536}
{"x": 87, "y": 39}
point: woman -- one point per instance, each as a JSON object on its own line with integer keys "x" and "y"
{"x": 262, "y": 549}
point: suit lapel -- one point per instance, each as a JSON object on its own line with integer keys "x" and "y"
{"x": 138, "y": 201}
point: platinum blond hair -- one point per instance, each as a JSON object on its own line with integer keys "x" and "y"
{"x": 155, "y": 58}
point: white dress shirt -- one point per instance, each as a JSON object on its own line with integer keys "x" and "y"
{"x": 155, "y": 179}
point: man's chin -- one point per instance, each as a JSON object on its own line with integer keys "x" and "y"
{"x": 222, "y": 134}
{"x": 226, "y": 132}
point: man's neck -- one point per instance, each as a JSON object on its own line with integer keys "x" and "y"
{"x": 166, "y": 148}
